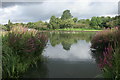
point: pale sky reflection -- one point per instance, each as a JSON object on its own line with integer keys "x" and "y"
{"x": 78, "y": 52}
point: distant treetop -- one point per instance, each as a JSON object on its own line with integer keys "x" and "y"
{"x": 66, "y": 15}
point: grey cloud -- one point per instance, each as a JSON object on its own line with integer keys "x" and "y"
{"x": 10, "y": 4}
{"x": 32, "y": 11}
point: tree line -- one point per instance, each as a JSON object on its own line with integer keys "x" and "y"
{"x": 68, "y": 21}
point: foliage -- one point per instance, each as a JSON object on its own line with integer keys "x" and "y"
{"x": 37, "y": 25}
{"x": 77, "y": 29}
{"x": 75, "y": 20}
{"x": 82, "y": 24}
{"x": 68, "y": 21}
{"x": 2, "y": 27}
{"x": 66, "y": 15}
{"x": 9, "y": 25}
{"x": 106, "y": 53}
{"x": 54, "y": 23}
{"x": 19, "y": 44}
{"x": 67, "y": 39}
{"x": 102, "y": 39}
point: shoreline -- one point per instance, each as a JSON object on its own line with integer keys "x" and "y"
{"x": 66, "y": 31}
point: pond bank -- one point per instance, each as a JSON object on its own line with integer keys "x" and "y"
{"x": 67, "y": 31}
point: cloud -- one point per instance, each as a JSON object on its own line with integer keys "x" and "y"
{"x": 43, "y": 10}
{"x": 73, "y": 54}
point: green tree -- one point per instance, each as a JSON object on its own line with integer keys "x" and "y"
{"x": 95, "y": 22}
{"x": 54, "y": 22}
{"x": 67, "y": 23}
{"x": 31, "y": 25}
{"x": 75, "y": 20}
{"x": 9, "y": 22}
{"x": 9, "y": 25}
{"x": 66, "y": 15}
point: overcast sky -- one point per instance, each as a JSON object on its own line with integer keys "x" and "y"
{"x": 43, "y": 9}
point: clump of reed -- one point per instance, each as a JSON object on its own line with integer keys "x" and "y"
{"x": 21, "y": 48}
{"x": 106, "y": 45}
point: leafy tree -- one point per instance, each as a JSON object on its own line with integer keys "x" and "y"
{"x": 40, "y": 25}
{"x": 9, "y": 22}
{"x": 104, "y": 21}
{"x": 54, "y": 22}
{"x": 66, "y": 15}
{"x": 82, "y": 23}
{"x": 31, "y": 25}
{"x": 37, "y": 25}
{"x": 95, "y": 22}
{"x": 67, "y": 23}
{"x": 75, "y": 19}
{"x": 117, "y": 18}
{"x": 9, "y": 25}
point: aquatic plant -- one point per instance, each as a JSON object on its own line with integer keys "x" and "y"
{"x": 21, "y": 48}
{"x": 106, "y": 60}
{"x": 102, "y": 39}
{"x": 106, "y": 51}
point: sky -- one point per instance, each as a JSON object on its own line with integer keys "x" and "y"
{"x": 35, "y": 10}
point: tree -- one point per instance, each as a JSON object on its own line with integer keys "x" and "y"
{"x": 67, "y": 23}
{"x": 9, "y": 25}
{"x": 31, "y": 25}
{"x": 82, "y": 21}
{"x": 75, "y": 20}
{"x": 9, "y": 22}
{"x": 117, "y": 20}
{"x": 96, "y": 22}
{"x": 66, "y": 15}
{"x": 54, "y": 22}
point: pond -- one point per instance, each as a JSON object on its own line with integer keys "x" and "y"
{"x": 67, "y": 55}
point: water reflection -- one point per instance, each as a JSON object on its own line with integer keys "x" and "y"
{"x": 79, "y": 51}
{"x": 67, "y": 39}
{"x": 69, "y": 46}
{"x": 68, "y": 56}
{"x": 71, "y": 69}
{"x": 37, "y": 71}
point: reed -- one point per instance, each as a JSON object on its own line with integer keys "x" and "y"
{"x": 21, "y": 48}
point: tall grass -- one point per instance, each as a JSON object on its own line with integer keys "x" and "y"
{"x": 21, "y": 48}
{"x": 106, "y": 46}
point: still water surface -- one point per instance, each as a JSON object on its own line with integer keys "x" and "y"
{"x": 67, "y": 55}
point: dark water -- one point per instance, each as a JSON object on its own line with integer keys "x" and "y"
{"x": 67, "y": 55}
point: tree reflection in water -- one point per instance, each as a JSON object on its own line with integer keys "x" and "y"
{"x": 67, "y": 39}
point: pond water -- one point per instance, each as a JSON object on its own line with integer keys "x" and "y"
{"x": 67, "y": 55}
